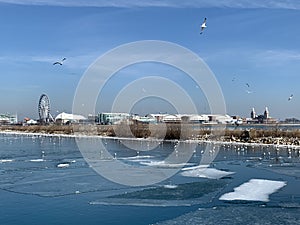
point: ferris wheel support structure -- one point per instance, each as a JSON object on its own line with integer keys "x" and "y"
{"x": 44, "y": 110}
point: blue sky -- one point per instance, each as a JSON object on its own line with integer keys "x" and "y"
{"x": 254, "y": 42}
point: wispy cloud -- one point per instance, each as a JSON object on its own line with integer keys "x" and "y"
{"x": 257, "y": 56}
{"x": 73, "y": 62}
{"x": 278, "y": 56}
{"x": 279, "y": 4}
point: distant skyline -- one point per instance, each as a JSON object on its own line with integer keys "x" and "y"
{"x": 252, "y": 47}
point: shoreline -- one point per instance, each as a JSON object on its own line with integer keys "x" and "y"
{"x": 223, "y": 140}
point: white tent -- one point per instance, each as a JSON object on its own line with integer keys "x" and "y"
{"x": 69, "y": 118}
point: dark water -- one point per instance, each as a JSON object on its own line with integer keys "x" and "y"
{"x": 45, "y": 180}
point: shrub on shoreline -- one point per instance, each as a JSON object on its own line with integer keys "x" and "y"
{"x": 169, "y": 132}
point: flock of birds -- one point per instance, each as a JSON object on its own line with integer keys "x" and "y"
{"x": 248, "y": 90}
{"x": 202, "y": 28}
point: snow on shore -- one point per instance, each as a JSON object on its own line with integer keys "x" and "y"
{"x": 150, "y": 139}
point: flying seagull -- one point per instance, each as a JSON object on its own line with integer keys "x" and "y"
{"x": 203, "y": 26}
{"x": 248, "y": 90}
{"x": 59, "y": 62}
{"x": 290, "y": 98}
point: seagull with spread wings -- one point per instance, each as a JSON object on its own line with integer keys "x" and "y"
{"x": 203, "y": 26}
{"x": 59, "y": 62}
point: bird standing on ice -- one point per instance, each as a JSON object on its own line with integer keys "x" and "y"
{"x": 59, "y": 62}
{"x": 203, "y": 26}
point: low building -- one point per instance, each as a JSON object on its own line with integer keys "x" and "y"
{"x": 113, "y": 118}
{"x": 8, "y": 119}
{"x": 219, "y": 119}
{"x": 144, "y": 119}
{"x": 67, "y": 118}
{"x": 158, "y": 117}
{"x": 199, "y": 118}
{"x": 190, "y": 118}
{"x": 28, "y": 121}
{"x": 224, "y": 119}
{"x": 172, "y": 119}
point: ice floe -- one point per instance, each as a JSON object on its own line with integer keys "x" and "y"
{"x": 63, "y": 165}
{"x": 141, "y": 202}
{"x": 204, "y": 172}
{"x": 254, "y": 190}
{"x": 163, "y": 164}
{"x": 138, "y": 157}
{"x": 170, "y": 186}
{"x": 36, "y": 160}
{"x": 5, "y": 160}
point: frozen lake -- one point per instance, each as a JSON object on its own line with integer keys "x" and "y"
{"x": 45, "y": 180}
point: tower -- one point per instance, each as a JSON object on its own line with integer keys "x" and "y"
{"x": 266, "y": 113}
{"x": 253, "y": 114}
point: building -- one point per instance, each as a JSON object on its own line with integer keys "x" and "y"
{"x": 8, "y": 119}
{"x": 158, "y": 117}
{"x": 263, "y": 118}
{"x": 117, "y": 118}
{"x": 198, "y": 118}
{"x": 144, "y": 119}
{"x": 172, "y": 119}
{"x": 223, "y": 119}
{"x": 113, "y": 118}
{"x": 253, "y": 114}
{"x": 67, "y": 118}
{"x": 28, "y": 121}
{"x": 266, "y": 114}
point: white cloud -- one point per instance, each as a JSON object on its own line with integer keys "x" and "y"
{"x": 283, "y": 4}
{"x": 255, "y": 57}
{"x": 72, "y": 62}
{"x": 277, "y": 56}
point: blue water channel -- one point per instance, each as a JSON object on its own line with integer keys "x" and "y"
{"x": 46, "y": 180}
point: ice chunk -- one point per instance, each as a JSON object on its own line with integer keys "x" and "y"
{"x": 204, "y": 172}
{"x": 63, "y": 165}
{"x": 36, "y": 160}
{"x": 139, "y": 157}
{"x": 170, "y": 186}
{"x": 195, "y": 167}
{"x": 163, "y": 164}
{"x": 254, "y": 190}
{"x": 141, "y": 202}
{"x": 5, "y": 160}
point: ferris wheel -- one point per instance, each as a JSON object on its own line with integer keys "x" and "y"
{"x": 44, "y": 109}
